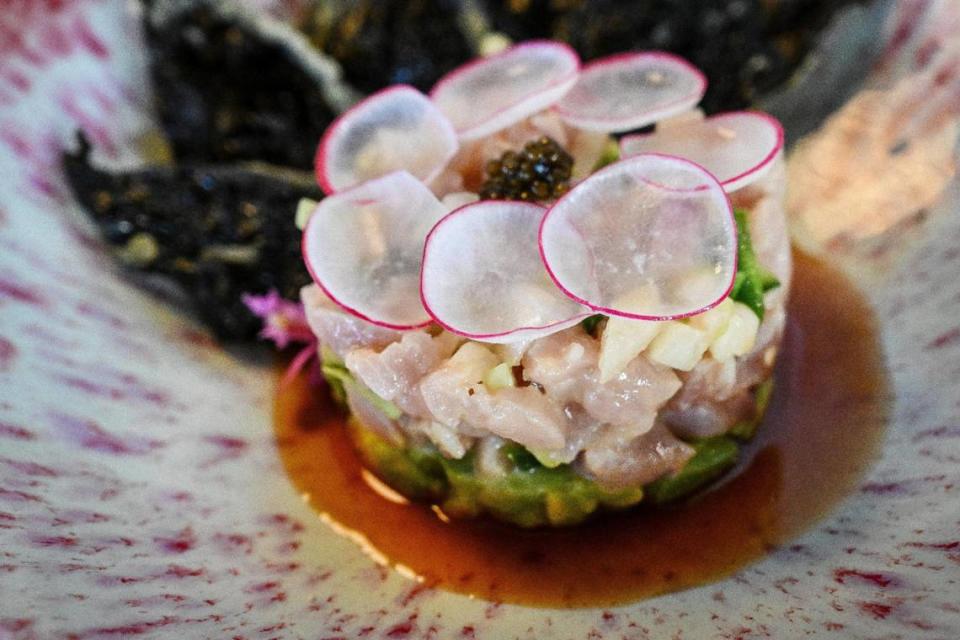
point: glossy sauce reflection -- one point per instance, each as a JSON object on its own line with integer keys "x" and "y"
{"x": 824, "y": 427}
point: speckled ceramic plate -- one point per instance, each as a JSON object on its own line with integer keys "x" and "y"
{"x": 141, "y": 492}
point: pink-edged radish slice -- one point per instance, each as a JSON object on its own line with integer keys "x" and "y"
{"x": 395, "y": 129}
{"x": 736, "y": 147}
{"x": 490, "y": 94}
{"x": 631, "y": 90}
{"x": 482, "y": 276}
{"x": 363, "y": 246}
{"x": 652, "y": 224}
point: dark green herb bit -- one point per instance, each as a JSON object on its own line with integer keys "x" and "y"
{"x": 746, "y": 429}
{"x": 752, "y": 280}
{"x": 713, "y": 457}
{"x": 540, "y": 171}
{"x": 521, "y": 459}
{"x": 340, "y": 380}
{"x": 609, "y": 155}
{"x": 592, "y": 324}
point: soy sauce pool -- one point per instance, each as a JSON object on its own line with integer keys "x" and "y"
{"x": 824, "y": 427}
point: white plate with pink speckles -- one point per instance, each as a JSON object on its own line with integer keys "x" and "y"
{"x": 141, "y": 491}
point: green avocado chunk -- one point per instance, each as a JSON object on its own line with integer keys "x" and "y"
{"x": 751, "y": 280}
{"x": 339, "y": 379}
{"x": 527, "y": 493}
{"x": 712, "y": 458}
{"x": 591, "y": 324}
{"x": 746, "y": 429}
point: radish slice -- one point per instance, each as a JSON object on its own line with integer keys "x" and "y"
{"x": 363, "y": 247}
{"x": 632, "y": 90}
{"x": 482, "y": 276}
{"x": 397, "y": 128}
{"x": 652, "y": 224}
{"x": 490, "y": 94}
{"x": 735, "y": 147}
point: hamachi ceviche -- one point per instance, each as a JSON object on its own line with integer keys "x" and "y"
{"x": 530, "y": 317}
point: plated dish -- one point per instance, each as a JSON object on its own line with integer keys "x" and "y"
{"x": 149, "y": 487}
{"x": 528, "y": 332}
{"x": 536, "y": 335}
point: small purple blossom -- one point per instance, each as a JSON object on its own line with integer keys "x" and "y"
{"x": 284, "y": 321}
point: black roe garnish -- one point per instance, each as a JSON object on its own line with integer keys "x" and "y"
{"x": 540, "y": 171}
{"x": 225, "y": 92}
{"x": 218, "y": 231}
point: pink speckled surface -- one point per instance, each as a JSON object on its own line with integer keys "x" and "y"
{"x": 141, "y": 494}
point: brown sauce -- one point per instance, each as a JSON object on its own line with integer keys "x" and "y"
{"x": 824, "y": 427}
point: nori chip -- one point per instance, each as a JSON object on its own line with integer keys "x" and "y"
{"x": 219, "y": 231}
{"x": 745, "y": 47}
{"x": 383, "y": 42}
{"x": 225, "y": 91}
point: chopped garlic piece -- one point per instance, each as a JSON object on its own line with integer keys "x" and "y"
{"x": 623, "y": 339}
{"x": 493, "y": 43}
{"x": 714, "y": 321}
{"x": 511, "y": 352}
{"x": 457, "y": 199}
{"x": 694, "y": 287}
{"x": 304, "y": 210}
{"x": 552, "y": 459}
{"x": 678, "y": 345}
{"x": 739, "y": 336}
{"x": 499, "y": 377}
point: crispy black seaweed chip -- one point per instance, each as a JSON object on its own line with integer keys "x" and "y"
{"x": 218, "y": 231}
{"x": 745, "y": 47}
{"x": 383, "y": 42}
{"x": 226, "y": 92}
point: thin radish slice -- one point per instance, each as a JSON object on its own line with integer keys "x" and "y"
{"x": 490, "y": 94}
{"x": 482, "y": 276}
{"x": 651, "y": 237}
{"x": 395, "y": 129}
{"x": 736, "y": 147}
{"x": 631, "y": 90}
{"x": 363, "y": 247}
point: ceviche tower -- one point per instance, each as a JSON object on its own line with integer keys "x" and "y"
{"x": 531, "y": 317}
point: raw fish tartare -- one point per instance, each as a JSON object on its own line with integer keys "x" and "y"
{"x": 532, "y": 315}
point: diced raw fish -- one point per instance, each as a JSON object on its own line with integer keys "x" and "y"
{"x": 456, "y": 396}
{"x": 338, "y": 330}
{"x": 565, "y": 364}
{"x": 616, "y": 461}
{"x": 394, "y": 373}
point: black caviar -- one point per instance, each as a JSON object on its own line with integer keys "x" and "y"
{"x": 540, "y": 171}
